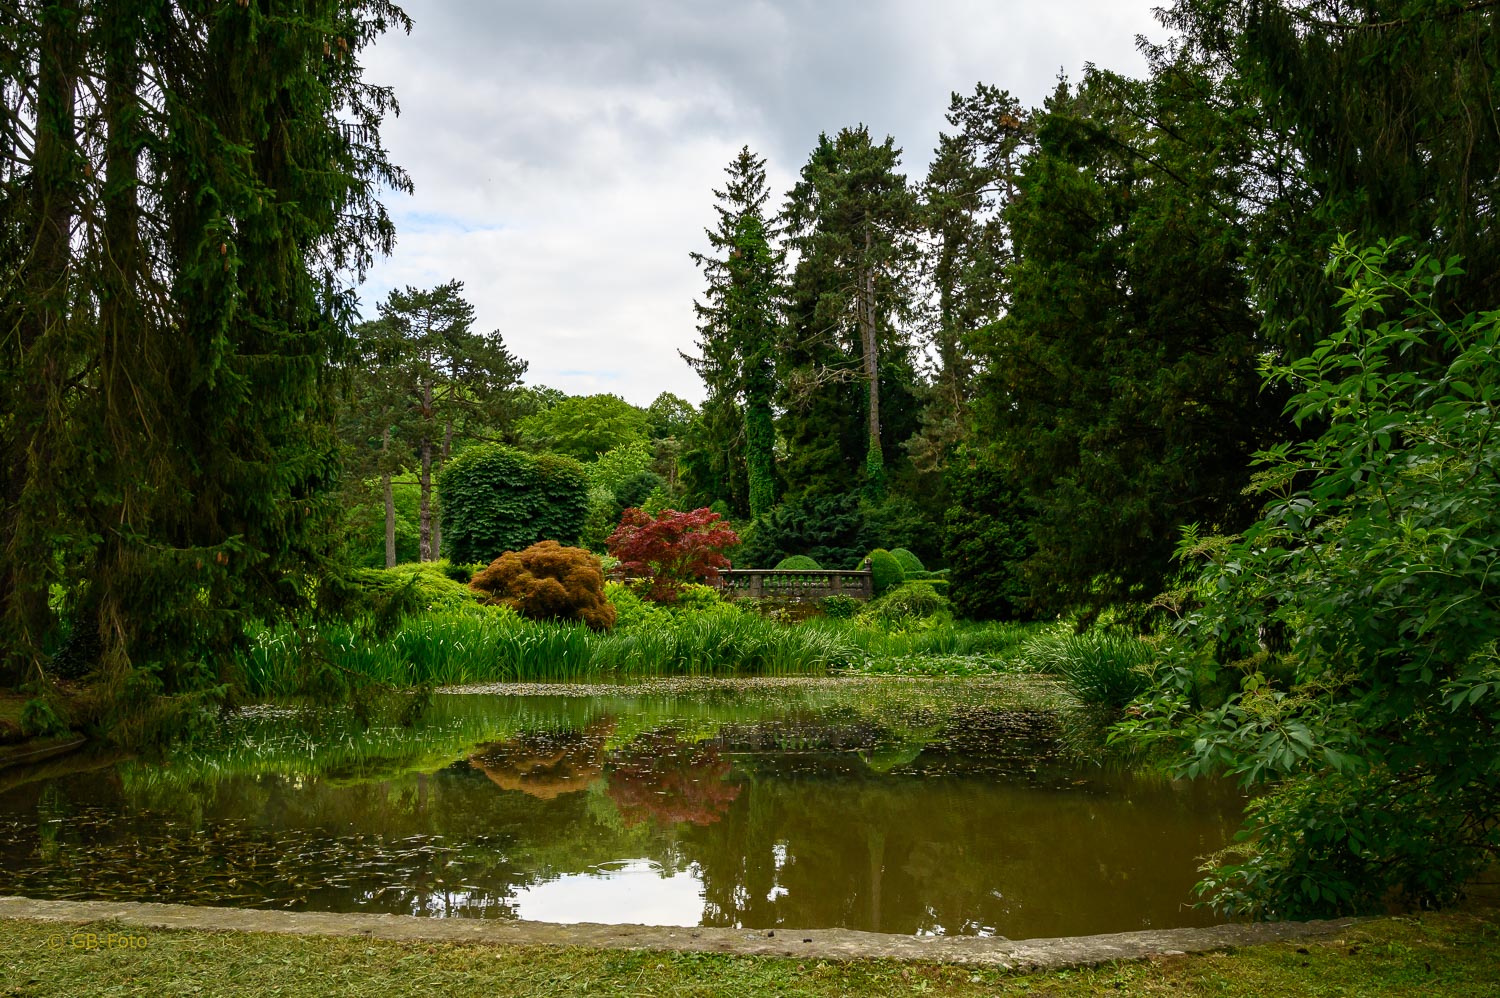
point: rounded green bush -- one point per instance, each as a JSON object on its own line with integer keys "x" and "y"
{"x": 909, "y": 562}
{"x": 886, "y": 570}
{"x": 907, "y": 602}
{"x": 798, "y": 563}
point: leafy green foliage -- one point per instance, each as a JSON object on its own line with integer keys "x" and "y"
{"x": 547, "y": 581}
{"x": 798, "y": 563}
{"x": 839, "y": 607}
{"x": 585, "y": 426}
{"x": 496, "y": 499}
{"x": 904, "y": 605}
{"x": 1373, "y": 564}
{"x": 885, "y": 569}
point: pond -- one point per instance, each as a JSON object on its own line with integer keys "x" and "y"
{"x": 885, "y": 805}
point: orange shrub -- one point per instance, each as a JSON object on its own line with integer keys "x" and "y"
{"x": 548, "y": 582}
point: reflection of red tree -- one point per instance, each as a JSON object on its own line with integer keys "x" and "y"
{"x": 545, "y": 765}
{"x": 658, "y": 777}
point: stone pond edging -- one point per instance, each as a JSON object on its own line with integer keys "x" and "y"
{"x": 821, "y": 944}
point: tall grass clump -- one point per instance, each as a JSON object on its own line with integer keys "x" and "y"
{"x": 1100, "y": 669}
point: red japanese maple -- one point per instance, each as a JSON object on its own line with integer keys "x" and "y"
{"x": 672, "y": 548}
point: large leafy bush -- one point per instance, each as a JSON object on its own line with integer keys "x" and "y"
{"x": 547, "y": 581}
{"x": 497, "y": 499}
{"x": 1375, "y": 566}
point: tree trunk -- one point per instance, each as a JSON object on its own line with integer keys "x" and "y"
{"x": 31, "y": 398}
{"x": 390, "y": 502}
{"x": 874, "y": 458}
{"x": 424, "y": 539}
{"x": 437, "y": 523}
{"x": 424, "y": 529}
{"x": 123, "y": 332}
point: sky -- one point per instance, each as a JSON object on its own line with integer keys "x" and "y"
{"x": 564, "y": 152}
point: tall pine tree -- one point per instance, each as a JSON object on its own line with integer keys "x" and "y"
{"x": 739, "y": 320}
{"x": 851, "y": 219}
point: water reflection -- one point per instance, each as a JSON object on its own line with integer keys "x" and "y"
{"x": 629, "y": 891}
{"x": 891, "y": 815}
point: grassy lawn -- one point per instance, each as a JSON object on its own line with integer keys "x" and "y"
{"x": 1434, "y": 956}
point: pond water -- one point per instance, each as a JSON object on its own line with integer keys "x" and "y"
{"x": 893, "y": 806}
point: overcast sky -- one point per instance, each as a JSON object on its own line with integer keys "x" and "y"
{"x": 564, "y": 151}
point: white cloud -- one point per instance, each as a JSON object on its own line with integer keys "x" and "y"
{"x": 564, "y": 153}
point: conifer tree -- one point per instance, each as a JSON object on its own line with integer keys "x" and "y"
{"x": 1121, "y": 397}
{"x": 851, "y": 217}
{"x": 197, "y": 191}
{"x": 739, "y": 321}
{"x": 972, "y": 176}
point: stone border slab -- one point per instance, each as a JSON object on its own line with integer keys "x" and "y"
{"x": 821, "y": 944}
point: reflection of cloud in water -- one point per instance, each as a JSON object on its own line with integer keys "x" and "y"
{"x": 632, "y": 891}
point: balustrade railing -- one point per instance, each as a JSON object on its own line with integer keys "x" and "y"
{"x": 767, "y": 583}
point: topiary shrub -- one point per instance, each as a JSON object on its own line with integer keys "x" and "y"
{"x": 798, "y": 563}
{"x": 909, "y": 562}
{"x": 497, "y": 499}
{"x": 886, "y": 570}
{"x": 547, "y": 581}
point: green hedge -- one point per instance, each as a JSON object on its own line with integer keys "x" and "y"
{"x": 497, "y": 499}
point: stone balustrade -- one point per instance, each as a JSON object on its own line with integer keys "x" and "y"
{"x": 767, "y": 583}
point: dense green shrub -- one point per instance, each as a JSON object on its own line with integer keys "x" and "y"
{"x": 1373, "y": 565}
{"x": 637, "y": 490}
{"x": 906, "y": 603}
{"x": 428, "y": 585}
{"x": 797, "y": 563}
{"x": 986, "y": 541}
{"x": 547, "y": 581}
{"x": 910, "y": 563}
{"x": 497, "y": 499}
{"x": 885, "y": 570}
{"x": 631, "y": 611}
{"x": 830, "y": 530}
{"x": 839, "y": 607}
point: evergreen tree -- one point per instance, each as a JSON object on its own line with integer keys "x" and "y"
{"x": 1121, "y": 393}
{"x": 739, "y": 320}
{"x": 167, "y": 440}
{"x": 1380, "y": 120}
{"x": 972, "y": 175}
{"x": 851, "y": 217}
